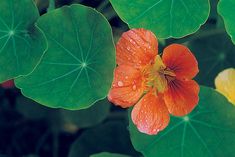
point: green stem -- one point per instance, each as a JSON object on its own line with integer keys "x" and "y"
{"x": 51, "y": 5}
{"x": 102, "y": 5}
{"x": 109, "y": 13}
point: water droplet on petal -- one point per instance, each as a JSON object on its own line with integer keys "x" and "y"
{"x": 120, "y": 83}
{"x": 134, "y": 87}
{"x": 126, "y": 77}
{"x": 128, "y": 48}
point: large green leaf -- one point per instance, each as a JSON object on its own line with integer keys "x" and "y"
{"x": 166, "y": 18}
{"x": 226, "y": 10}
{"x": 214, "y": 54}
{"x": 22, "y": 44}
{"x": 111, "y": 136}
{"x": 209, "y": 131}
{"x": 77, "y": 69}
{"x": 106, "y": 154}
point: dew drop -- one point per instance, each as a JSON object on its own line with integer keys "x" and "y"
{"x": 134, "y": 87}
{"x": 128, "y": 48}
{"x": 126, "y": 77}
{"x": 120, "y": 83}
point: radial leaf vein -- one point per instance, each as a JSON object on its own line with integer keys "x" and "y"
{"x": 165, "y": 133}
{"x": 4, "y": 23}
{"x": 77, "y": 35}
{"x": 4, "y": 45}
{"x": 66, "y": 50}
{"x": 147, "y": 10}
{"x": 15, "y": 53}
{"x": 59, "y": 77}
{"x": 200, "y": 138}
{"x": 91, "y": 42}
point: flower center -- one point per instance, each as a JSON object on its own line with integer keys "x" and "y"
{"x": 159, "y": 75}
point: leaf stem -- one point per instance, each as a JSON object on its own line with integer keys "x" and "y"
{"x": 51, "y": 5}
{"x": 102, "y": 5}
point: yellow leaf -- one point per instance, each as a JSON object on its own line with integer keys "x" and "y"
{"x": 225, "y": 84}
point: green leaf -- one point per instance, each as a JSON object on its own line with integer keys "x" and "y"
{"x": 226, "y": 10}
{"x": 106, "y": 154}
{"x": 209, "y": 131}
{"x": 87, "y": 117}
{"x": 77, "y": 69}
{"x": 22, "y": 44}
{"x": 166, "y": 18}
{"x": 214, "y": 54}
{"x": 111, "y": 137}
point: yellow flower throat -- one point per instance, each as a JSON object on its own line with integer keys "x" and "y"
{"x": 158, "y": 75}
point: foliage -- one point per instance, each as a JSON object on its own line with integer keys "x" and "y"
{"x": 61, "y": 55}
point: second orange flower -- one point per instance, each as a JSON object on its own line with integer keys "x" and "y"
{"x": 156, "y": 86}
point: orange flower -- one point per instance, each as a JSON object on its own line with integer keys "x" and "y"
{"x": 158, "y": 86}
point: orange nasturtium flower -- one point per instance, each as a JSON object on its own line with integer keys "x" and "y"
{"x": 156, "y": 86}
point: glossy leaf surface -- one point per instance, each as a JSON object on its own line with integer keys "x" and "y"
{"x": 166, "y": 18}
{"x": 213, "y": 54}
{"x": 207, "y": 131}
{"x": 22, "y": 44}
{"x": 226, "y": 10}
{"x": 77, "y": 69}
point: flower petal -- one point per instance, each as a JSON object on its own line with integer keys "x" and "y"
{"x": 181, "y": 97}
{"x": 137, "y": 47}
{"x": 128, "y": 86}
{"x": 150, "y": 114}
{"x": 225, "y": 84}
{"x": 180, "y": 59}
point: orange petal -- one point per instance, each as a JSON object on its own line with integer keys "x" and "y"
{"x": 150, "y": 114}
{"x": 127, "y": 86}
{"x": 181, "y": 96}
{"x": 137, "y": 47}
{"x": 181, "y": 60}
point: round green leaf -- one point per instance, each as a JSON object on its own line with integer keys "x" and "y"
{"x": 226, "y": 10}
{"x": 87, "y": 117}
{"x": 209, "y": 131}
{"x": 111, "y": 137}
{"x": 22, "y": 44}
{"x": 106, "y": 154}
{"x": 214, "y": 54}
{"x": 77, "y": 69}
{"x": 166, "y": 18}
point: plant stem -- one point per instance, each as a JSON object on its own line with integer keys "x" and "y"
{"x": 102, "y": 5}
{"x": 51, "y": 5}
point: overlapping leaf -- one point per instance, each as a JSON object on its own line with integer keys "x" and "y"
{"x": 166, "y": 18}
{"x": 77, "y": 69}
{"x": 226, "y": 10}
{"x": 209, "y": 131}
{"x": 214, "y": 54}
{"x": 22, "y": 44}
